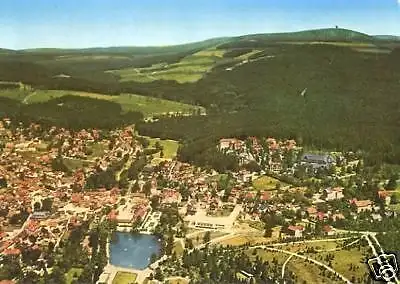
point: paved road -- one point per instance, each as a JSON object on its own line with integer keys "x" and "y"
{"x": 311, "y": 241}
{"x": 284, "y": 265}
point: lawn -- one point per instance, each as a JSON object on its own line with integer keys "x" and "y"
{"x": 73, "y": 274}
{"x": 267, "y": 255}
{"x": 304, "y": 271}
{"x": 266, "y": 183}
{"x": 98, "y": 150}
{"x": 129, "y": 102}
{"x": 198, "y": 238}
{"x": 317, "y": 246}
{"x": 15, "y": 94}
{"x": 124, "y": 278}
{"x": 170, "y": 147}
{"x": 241, "y": 240}
{"x": 307, "y": 272}
{"x": 256, "y": 224}
{"x": 344, "y": 258}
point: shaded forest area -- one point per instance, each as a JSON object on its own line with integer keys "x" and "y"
{"x": 70, "y": 112}
{"x": 352, "y": 99}
{"x": 352, "y": 102}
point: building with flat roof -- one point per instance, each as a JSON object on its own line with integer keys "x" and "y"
{"x": 201, "y": 220}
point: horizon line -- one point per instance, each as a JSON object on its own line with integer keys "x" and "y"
{"x": 192, "y": 42}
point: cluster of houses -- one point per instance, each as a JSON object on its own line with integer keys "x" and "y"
{"x": 280, "y": 157}
{"x": 39, "y": 205}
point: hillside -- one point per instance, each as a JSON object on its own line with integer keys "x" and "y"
{"x": 133, "y": 50}
{"x": 330, "y": 34}
{"x": 148, "y": 106}
{"x": 250, "y": 85}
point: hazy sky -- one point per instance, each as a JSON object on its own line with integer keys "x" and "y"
{"x": 89, "y": 23}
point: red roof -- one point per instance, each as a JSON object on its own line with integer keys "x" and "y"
{"x": 7, "y": 282}
{"x": 327, "y": 228}
{"x": 363, "y": 203}
{"x": 12, "y": 251}
{"x": 321, "y": 215}
{"x": 266, "y": 195}
{"x": 311, "y": 210}
{"x": 296, "y": 228}
{"x": 2, "y": 234}
{"x": 383, "y": 193}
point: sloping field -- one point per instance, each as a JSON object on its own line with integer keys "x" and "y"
{"x": 129, "y": 102}
{"x": 190, "y": 69}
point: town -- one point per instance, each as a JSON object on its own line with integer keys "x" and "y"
{"x": 68, "y": 198}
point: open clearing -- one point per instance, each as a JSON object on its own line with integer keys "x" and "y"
{"x": 124, "y": 278}
{"x": 341, "y": 262}
{"x": 266, "y": 183}
{"x": 190, "y": 69}
{"x": 241, "y": 240}
{"x": 129, "y": 102}
{"x": 170, "y": 147}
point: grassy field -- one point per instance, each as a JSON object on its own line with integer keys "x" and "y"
{"x": 98, "y": 150}
{"x": 170, "y": 147}
{"x": 73, "y": 274}
{"x": 307, "y": 272}
{"x": 266, "y": 183}
{"x": 310, "y": 273}
{"x": 177, "y": 281}
{"x": 241, "y": 240}
{"x": 268, "y": 255}
{"x": 343, "y": 259}
{"x": 198, "y": 238}
{"x": 124, "y": 278}
{"x": 190, "y": 69}
{"x": 16, "y": 94}
{"x": 341, "y": 262}
{"x": 129, "y": 102}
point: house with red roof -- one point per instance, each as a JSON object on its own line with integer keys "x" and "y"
{"x": 385, "y": 195}
{"x": 12, "y": 252}
{"x": 362, "y": 205}
{"x": 312, "y": 212}
{"x": 334, "y": 193}
{"x": 296, "y": 231}
{"x": 7, "y": 282}
{"x": 328, "y": 230}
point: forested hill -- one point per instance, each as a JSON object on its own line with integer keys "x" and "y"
{"x": 330, "y": 88}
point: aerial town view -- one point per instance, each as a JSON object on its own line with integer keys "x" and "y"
{"x": 179, "y": 142}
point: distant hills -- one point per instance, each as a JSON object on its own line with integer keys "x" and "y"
{"x": 322, "y": 35}
{"x": 249, "y": 85}
{"x": 387, "y": 37}
{"x": 330, "y": 34}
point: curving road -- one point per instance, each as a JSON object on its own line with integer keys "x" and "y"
{"x": 346, "y": 280}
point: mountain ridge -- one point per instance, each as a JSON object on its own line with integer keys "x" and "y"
{"x": 322, "y": 34}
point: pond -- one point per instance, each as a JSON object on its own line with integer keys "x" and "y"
{"x": 133, "y": 250}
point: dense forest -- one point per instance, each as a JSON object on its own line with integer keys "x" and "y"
{"x": 70, "y": 112}
{"x": 351, "y": 98}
